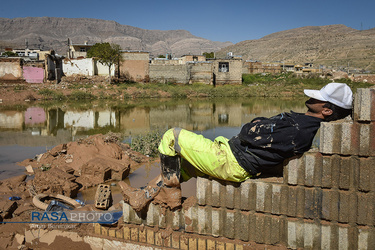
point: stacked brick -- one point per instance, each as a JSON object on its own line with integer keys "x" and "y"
{"x": 325, "y": 200}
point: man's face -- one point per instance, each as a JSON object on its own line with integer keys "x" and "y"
{"x": 314, "y": 105}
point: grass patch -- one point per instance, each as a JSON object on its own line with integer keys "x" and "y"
{"x": 147, "y": 144}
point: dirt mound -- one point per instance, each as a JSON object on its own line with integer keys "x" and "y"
{"x": 84, "y": 163}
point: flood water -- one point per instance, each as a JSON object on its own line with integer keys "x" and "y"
{"x": 29, "y": 129}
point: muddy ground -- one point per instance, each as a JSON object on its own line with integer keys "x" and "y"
{"x": 66, "y": 169}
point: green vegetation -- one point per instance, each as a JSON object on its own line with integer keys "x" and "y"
{"x": 209, "y": 54}
{"x": 51, "y": 94}
{"x": 79, "y": 95}
{"x": 9, "y": 54}
{"x": 147, "y": 144}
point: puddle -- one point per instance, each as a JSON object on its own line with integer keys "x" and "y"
{"x": 138, "y": 178}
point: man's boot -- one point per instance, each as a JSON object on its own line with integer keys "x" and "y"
{"x": 138, "y": 198}
{"x": 170, "y": 193}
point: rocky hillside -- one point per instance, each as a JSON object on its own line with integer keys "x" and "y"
{"x": 332, "y": 45}
{"x": 53, "y": 33}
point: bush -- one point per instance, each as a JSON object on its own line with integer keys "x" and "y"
{"x": 147, "y": 144}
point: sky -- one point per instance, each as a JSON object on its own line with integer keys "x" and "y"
{"x": 230, "y": 20}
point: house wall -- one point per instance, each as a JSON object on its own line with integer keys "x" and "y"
{"x": 169, "y": 73}
{"x": 102, "y": 70}
{"x": 135, "y": 66}
{"x": 33, "y": 74}
{"x": 234, "y": 74}
{"x": 10, "y": 69}
{"x": 201, "y": 72}
{"x": 78, "y": 67}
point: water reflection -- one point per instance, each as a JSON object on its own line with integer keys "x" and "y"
{"x": 45, "y": 125}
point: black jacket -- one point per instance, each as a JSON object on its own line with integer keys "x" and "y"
{"x": 266, "y": 142}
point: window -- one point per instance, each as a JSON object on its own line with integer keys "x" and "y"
{"x": 223, "y": 66}
{"x": 195, "y": 58}
{"x": 82, "y": 49}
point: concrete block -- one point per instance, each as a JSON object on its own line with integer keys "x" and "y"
{"x": 347, "y": 206}
{"x": 300, "y": 208}
{"x": 364, "y": 238}
{"x": 229, "y": 216}
{"x": 311, "y": 234}
{"x": 326, "y": 237}
{"x": 204, "y": 220}
{"x": 216, "y": 193}
{"x": 218, "y": 220}
{"x": 295, "y": 234}
{"x": 284, "y": 200}
{"x": 203, "y": 191}
{"x": 191, "y": 219}
{"x": 275, "y": 230}
{"x": 343, "y": 238}
{"x": 291, "y": 170}
{"x": 292, "y": 201}
{"x": 152, "y": 218}
{"x": 366, "y": 173}
{"x": 365, "y": 212}
{"x": 248, "y": 192}
{"x": 242, "y": 231}
{"x": 276, "y": 199}
{"x": 313, "y": 203}
{"x": 330, "y": 203}
{"x": 229, "y": 194}
{"x": 103, "y": 196}
{"x": 364, "y": 105}
{"x": 260, "y": 228}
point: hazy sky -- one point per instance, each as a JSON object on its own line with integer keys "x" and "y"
{"x": 219, "y": 20}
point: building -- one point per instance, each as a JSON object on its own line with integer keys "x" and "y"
{"x": 226, "y": 71}
{"x": 78, "y": 50}
{"x": 135, "y": 65}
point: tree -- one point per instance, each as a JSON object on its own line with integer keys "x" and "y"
{"x": 209, "y": 54}
{"x": 107, "y": 54}
{"x": 9, "y": 54}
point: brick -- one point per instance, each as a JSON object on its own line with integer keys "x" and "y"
{"x": 292, "y": 201}
{"x": 97, "y": 228}
{"x": 126, "y": 233}
{"x": 216, "y": 191}
{"x": 260, "y": 228}
{"x": 260, "y": 196}
{"x": 167, "y": 241}
{"x": 184, "y": 242}
{"x": 325, "y": 237}
{"x": 364, "y": 238}
{"x": 300, "y": 208}
{"x": 310, "y": 166}
{"x": 247, "y": 195}
{"x": 229, "y": 246}
{"x": 284, "y": 200}
{"x": 343, "y": 238}
{"x": 275, "y": 228}
{"x": 152, "y": 218}
{"x": 293, "y": 235}
{"x": 291, "y": 170}
{"x": 327, "y": 172}
{"x": 276, "y": 199}
{"x": 366, "y": 173}
{"x": 112, "y": 233}
{"x": 193, "y": 243}
{"x": 330, "y": 203}
{"x": 311, "y": 234}
{"x": 220, "y": 245}
{"x": 134, "y": 236}
{"x": 142, "y": 235}
{"x": 237, "y": 196}
{"x": 218, "y": 222}
{"x": 365, "y": 140}
{"x": 120, "y": 234}
{"x": 178, "y": 220}
{"x": 191, "y": 219}
{"x": 364, "y": 103}
{"x": 229, "y": 227}
{"x": 211, "y": 244}
{"x": 158, "y": 239}
{"x": 313, "y": 203}
{"x": 252, "y": 226}
{"x": 243, "y": 226}
{"x": 347, "y": 207}
{"x": 365, "y": 212}
{"x": 229, "y": 194}
{"x": 175, "y": 240}
{"x": 150, "y": 237}
{"x": 104, "y": 231}
{"x": 330, "y": 138}
{"x": 103, "y": 196}
{"x": 202, "y": 244}
{"x": 204, "y": 220}
{"x": 345, "y": 173}
{"x": 203, "y": 190}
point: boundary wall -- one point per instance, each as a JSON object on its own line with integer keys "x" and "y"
{"x": 325, "y": 200}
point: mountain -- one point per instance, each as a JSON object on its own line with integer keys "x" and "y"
{"x": 52, "y": 33}
{"x": 331, "y": 45}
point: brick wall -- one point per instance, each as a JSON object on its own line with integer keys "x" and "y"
{"x": 325, "y": 200}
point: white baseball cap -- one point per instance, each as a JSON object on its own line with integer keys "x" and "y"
{"x": 339, "y": 94}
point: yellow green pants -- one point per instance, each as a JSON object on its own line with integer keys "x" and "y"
{"x": 200, "y": 156}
